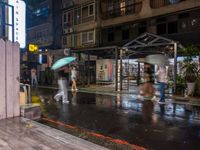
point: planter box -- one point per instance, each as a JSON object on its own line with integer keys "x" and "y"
{"x": 30, "y": 111}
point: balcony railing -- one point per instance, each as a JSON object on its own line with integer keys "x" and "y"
{"x": 122, "y": 11}
{"x": 161, "y": 3}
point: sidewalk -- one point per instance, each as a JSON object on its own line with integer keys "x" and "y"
{"x": 24, "y": 134}
{"x": 110, "y": 90}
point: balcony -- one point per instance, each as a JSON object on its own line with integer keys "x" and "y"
{"x": 161, "y": 3}
{"x": 121, "y": 9}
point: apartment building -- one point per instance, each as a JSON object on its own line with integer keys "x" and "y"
{"x": 79, "y": 24}
{"x": 124, "y": 20}
{"x": 40, "y": 24}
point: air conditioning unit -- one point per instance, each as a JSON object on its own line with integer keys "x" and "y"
{"x": 68, "y": 30}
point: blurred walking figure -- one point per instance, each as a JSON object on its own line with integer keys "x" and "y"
{"x": 147, "y": 90}
{"x": 34, "y": 77}
{"x": 62, "y": 85}
{"x": 162, "y": 80}
{"x": 73, "y": 78}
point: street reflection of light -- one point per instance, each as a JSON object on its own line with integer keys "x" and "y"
{"x": 154, "y": 118}
{"x": 118, "y": 100}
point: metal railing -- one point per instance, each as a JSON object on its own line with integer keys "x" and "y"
{"x": 161, "y": 3}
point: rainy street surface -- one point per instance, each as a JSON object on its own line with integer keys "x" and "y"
{"x": 153, "y": 126}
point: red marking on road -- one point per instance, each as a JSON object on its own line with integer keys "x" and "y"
{"x": 117, "y": 141}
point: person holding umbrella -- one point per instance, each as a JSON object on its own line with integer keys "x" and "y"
{"x": 62, "y": 85}
{"x": 162, "y": 80}
{"x": 73, "y": 78}
{"x": 162, "y": 61}
{"x": 62, "y": 69}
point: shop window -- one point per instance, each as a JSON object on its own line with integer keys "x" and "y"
{"x": 161, "y": 29}
{"x": 110, "y": 35}
{"x": 172, "y": 27}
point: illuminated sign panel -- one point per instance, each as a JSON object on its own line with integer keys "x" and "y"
{"x": 19, "y": 22}
{"x": 33, "y": 48}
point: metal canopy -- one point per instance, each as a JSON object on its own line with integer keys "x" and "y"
{"x": 149, "y": 40}
{"x": 147, "y": 44}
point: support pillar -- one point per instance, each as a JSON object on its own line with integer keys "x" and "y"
{"x": 88, "y": 71}
{"x": 116, "y": 69}
{"x": 121, "y": 77}
{"x": 175, "y": 65}
{"x": 138, "y": 74}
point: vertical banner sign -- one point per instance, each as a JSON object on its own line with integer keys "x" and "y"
{"x": 19, "y": 22}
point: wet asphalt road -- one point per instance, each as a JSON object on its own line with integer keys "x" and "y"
{"x": 154, "y": 126}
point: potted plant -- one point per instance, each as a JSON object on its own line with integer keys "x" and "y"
{"x": 190, "y": 67}
{"x": 197, "y": 87}
{"x": 180, "y": 85}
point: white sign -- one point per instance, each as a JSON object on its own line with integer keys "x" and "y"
{"x": 19, "y": 22}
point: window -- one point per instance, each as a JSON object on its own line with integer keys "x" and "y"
{"x": 64, "y": 40}
{"x": 162, "y": 3}
{"x": 122, "y": 7}
{"x": 88, "y": 10}
{"x": 88, "y": 37}
{"x": 65, "y": 18}
{"x": 161, "y": 29}
{"x": 172, "y": 27}
{"x": 125, "y": 33}
{"x": 161, "y": 25}
{"x": 110, "y": 34}
{"x": 142, "y": 27}
{"x": 84, "y": 37}
{"x": 116, "y": 8}
{"x": 91, "y": 9}
{"x": 77, "y": 16}
{"x": 183, "y": 15}
{"x": 68, "y": 18}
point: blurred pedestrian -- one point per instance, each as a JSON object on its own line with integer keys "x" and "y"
{"x": 62, "y": 85}
{"x": 34, "y": 77}
{"x": 73, "y": 78}
{"x": 147, "y": 91}
{"x": 162, "y": 77}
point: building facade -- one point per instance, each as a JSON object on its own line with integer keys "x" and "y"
{"x": 79, "y": 24}
{"x": 123, "y": 20}
{"x": 95, "y": 23}
{"x": 40, "y": 24}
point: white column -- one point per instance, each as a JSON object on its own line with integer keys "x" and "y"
{"x": 16, "y": 78}
{"x": 9, "y": 80}
{"x": 2, "y": 81}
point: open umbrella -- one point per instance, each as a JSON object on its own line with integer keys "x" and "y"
{"x": 62, "y": 62}
{"x": 157, "y": 59}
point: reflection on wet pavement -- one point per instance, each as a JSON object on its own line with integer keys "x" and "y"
{"x": 147, "y": 124}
